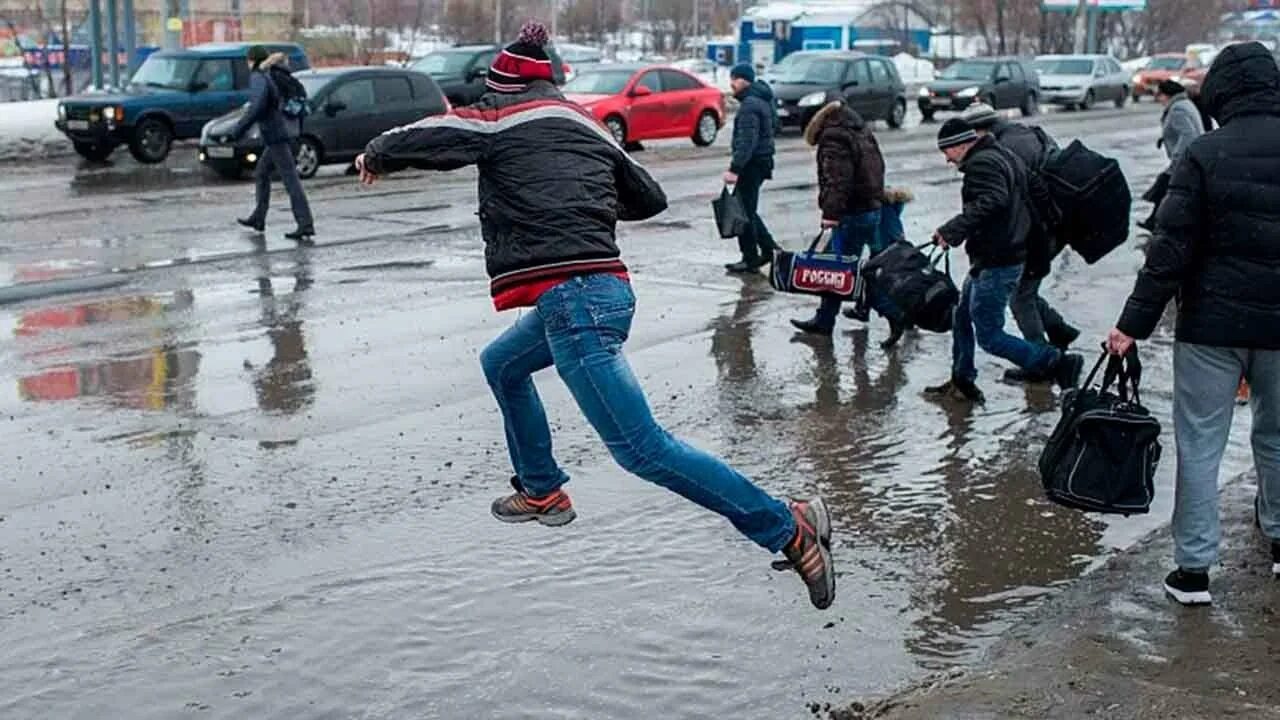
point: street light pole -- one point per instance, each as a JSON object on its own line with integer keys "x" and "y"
{"x": 497, "y": 23}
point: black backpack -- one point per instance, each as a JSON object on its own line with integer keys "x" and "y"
{"x": 293, "y": 96}
{"x": 1102, "y": 456}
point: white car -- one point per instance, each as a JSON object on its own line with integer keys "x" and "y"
{"x": 1082, "y": 80}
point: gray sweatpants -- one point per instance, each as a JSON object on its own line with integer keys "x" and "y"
{"x": 1204, "y": 390}
{"x": 279, "y": 157}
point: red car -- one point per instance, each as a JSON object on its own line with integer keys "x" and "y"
{"x": 649, "y": 102}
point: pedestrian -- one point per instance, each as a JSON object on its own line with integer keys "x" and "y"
{"x": 1180, "y": 124}
{"x": 993, "y": 227}
{"x": 1216, "y": 248}
{"x": 851, "y": 194}
{"x": 1037, "y": 320}
{"x": 553, "y": 184}
{"x": 277, "y": 147}
{"x": 752, "y": 163}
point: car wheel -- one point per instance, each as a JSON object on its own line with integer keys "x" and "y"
{"x": 617, "y": 129}
{"x": 926, "y": 115}
{"x": 1123, "y": 98}
{"x": 308, "y": 157}
{"x": 704, "y": 134}
{"x": 898, "y": 115}
{"x": 94, "y": 152}
{"x": 151, "y": 141}
{"x": 1031, "y": 105}
{"x": 1088, "y": 101}
{"x": 1137, "y": 97}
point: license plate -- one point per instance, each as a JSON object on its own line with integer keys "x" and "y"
{"x": 77, "y": 124}
{"x": 221, "y": 152}
{"x": 783, "y": 112}
{"x": 942, "y": 102}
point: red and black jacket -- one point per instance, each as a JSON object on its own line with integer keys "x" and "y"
{"x": 553, "y": 182}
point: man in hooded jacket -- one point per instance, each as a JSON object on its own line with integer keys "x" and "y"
{"x": 1216, "y": 248}
{"x": 752, "y": 163}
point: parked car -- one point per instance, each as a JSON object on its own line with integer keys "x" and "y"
{"x": 170, "y": 97}
{"x": 1080, "y": 81}
{"x": 459, "y": 71}
{"x": 869, "y": 84}
{"x": 349, "y": 107}
{"x": 646, "y": 102}
{"x": 1184, "y": 68}
{"x": 1001, "y": 82}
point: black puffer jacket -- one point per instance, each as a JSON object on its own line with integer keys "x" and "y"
{"x": 553, "y": 182}
{"x": 996, "y": 218}
{"x": 1217, "y": 239}
{"x": 850, "y": 166}
{"x": 1034, "y": 147}
{"x": 754, "y": 128}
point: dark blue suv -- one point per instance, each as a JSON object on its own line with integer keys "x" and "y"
{"x": 170, "y": 97}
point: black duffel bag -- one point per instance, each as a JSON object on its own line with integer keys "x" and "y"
{"x": 1102, "y": 456}
{"x": 1093, "y": 196}
{"x": 926, "y": 295}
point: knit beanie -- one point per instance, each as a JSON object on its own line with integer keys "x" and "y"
{"x": 980, "y": 115}
{"x": 1170, "y": 88}
{"x": 522, "y": 62}
{"x": 257, "y": 54}
{"x": 743, "y": 71}
{"x": 955, "y": 132}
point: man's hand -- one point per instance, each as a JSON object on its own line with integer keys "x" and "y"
{"x": 367, "y": 177}
{"x": 731, "y": 178}
{"x": 828, "y": 224}
{"x": 939, "y": 240}
{"x": 1118, "y": 343}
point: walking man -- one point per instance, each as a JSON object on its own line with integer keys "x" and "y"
{"x": 277, "y": 152}
{"x": 1180, "y": 124}
{"x": 752, "y": 163}
{"x": 1037, "y": 320}
{"x": 850, "y": 195}
{"x": 553, "y": 184}
{"x": 1217, "y": 249}
{"x": 993, "y": 226}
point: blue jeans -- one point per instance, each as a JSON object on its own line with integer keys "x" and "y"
{"x": 853, "y": 234}
{"x": 1204, "y": 393}
{"x": 980, "y": 317}
{"x": 579, "y": 326}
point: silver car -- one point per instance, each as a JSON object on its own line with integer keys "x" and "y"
{"x": 1082, "y": 80}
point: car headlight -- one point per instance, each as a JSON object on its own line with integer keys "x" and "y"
{"x": 1178, "y": 79}
{"x": 1137, "y": 79}
{"x": 969, "y": 92}
{"x": 813, "y": 99}
{"x": 62, "y": 111}
{"x": 925, "y": 92}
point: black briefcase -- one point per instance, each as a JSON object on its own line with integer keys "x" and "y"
{"x": 1102, "y": 456}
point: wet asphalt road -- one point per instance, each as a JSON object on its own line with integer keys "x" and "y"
{"x": 255, "y": 484}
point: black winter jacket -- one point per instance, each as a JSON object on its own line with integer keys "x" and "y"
{"x": 754, "y": 127}
{"x": 850, "y": 166}
{"x": 553, "y": 182}
{"x": 1217, "y": 239}
{"x": 1034, "y": 147}
{"x": 264, "y": 104}
{"x": 996, "y": 217}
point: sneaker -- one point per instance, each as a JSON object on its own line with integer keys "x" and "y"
{"x": 553, "y": 510}
{"x": 809, "y": 552}
{"x": 813, "y": 327}
{"x": 1188, "y": 588}
{"x": 1242, "y": 393}
{"x": 958, "y": 389}
{"x": 1069, "y": 370}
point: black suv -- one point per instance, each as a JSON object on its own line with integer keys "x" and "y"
{"x": 805, "y": 81}
{"x": 1001, "y": 82}
{"x": 459, "y": 71}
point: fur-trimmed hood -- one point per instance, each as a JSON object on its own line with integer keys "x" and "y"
{"x": 898, "y": 196}
{"x": 833, "y": 114}
{"x": 274, "y": 59}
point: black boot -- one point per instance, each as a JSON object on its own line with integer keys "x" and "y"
{"x": 1018, "y": 375}
{"x": 1069, "y": 370}
{"x": 813, "y": 327}
{"x": 742, "y": 267}
{"x": 252, "y": 223}
{"x": 858, "y": 312}
{"x": 958, "y": 389}
{"x": 1062, "y": 337}
{"x": 896, "y": 329}
{"x": 302, "y": 235}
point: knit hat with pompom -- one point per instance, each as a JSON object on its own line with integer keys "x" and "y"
{"x": 522, "y": 62}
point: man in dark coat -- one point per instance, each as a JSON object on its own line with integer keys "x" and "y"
{"x": 850, "y": 194}
{"x": 553, "y": 184}
{"x": 993, "y": 226}
{"x": 277, "y": 148}
{"x": 752, "y": 163}
{"x": 1037, "y": 320}
{"x": 1216, "y": 248}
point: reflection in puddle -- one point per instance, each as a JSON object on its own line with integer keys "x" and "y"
{"x": 284, "y": 385}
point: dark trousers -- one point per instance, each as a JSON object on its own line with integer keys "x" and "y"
{"x": 278, "y": 157}
{"x": 1037, "y": 320}
{"x": 757, "y": 242}
{"x": 854, "y": 233}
